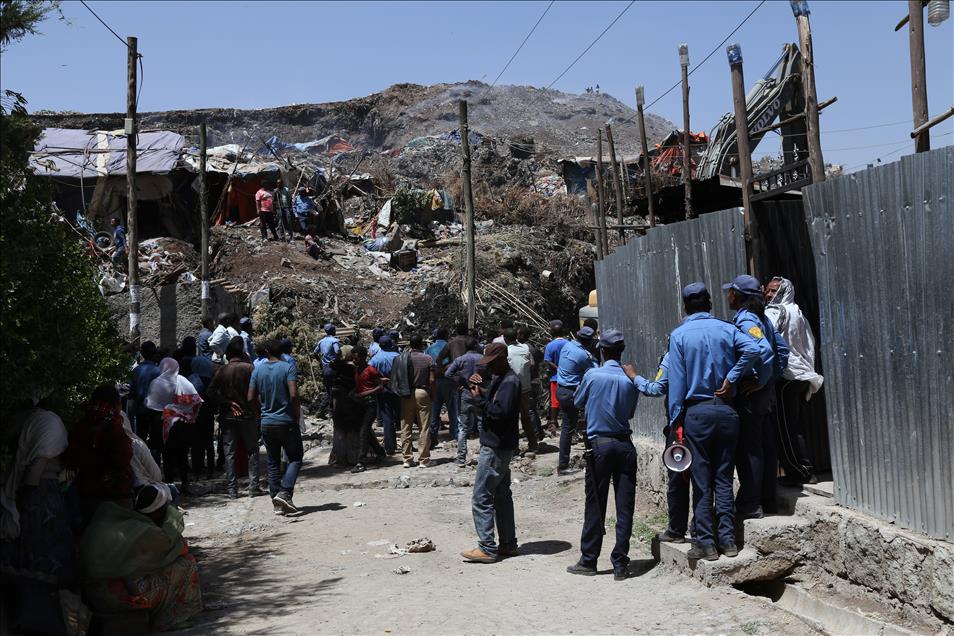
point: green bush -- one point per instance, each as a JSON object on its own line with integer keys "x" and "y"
{"x": 57, "y": 340}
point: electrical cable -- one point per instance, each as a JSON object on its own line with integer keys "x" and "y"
{"x": 519, "y": 48}
{"x": 118, "y": 37}
{"x": 593, "y": 43}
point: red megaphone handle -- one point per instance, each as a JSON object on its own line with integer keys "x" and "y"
{"x": 679, "y": 434}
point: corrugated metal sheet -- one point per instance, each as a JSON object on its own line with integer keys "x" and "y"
{"x": 883, "y": 241}
{"x": 640, "y": 288}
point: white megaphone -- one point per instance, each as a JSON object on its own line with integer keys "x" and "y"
{"x": 677, "y": 457}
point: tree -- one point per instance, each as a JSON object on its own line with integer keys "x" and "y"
{"x": 57, "y": 340}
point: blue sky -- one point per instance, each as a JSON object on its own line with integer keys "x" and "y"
{"x": 257, "y": 54}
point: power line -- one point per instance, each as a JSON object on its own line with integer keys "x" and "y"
{"x": 118, "y": 37}
{"x": 578, "y": 57}
{"x": 519, "y": 48}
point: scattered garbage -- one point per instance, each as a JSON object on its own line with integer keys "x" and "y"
{"x": 359, "y": 504}
{"x": 421, "y": 545}
{"x": 402, "y": 570}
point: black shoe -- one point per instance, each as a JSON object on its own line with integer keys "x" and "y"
{"x": 620, "y": 574}
{"x": 358, "y": 468}
{"x": 666, "y": 537}
{"x": 233, "y": 494}
{"x": 708, "y": 553}
{"x": 579, "y": 568}
{"x": 566, "y": 470}
{"x": 729, "y": 550}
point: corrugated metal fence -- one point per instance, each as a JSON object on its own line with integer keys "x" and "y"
{"x": 883, "y": 241}
{"x": 640, "y": 285}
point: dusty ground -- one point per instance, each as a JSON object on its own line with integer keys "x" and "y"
{"x": 328, "y": 570}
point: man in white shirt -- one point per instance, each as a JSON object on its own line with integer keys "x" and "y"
{"x": 518, "y": 355}
{"x": 221, "y": 336}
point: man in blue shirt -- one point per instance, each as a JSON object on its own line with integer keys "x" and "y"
{"x": 756, "y": 456}
{"x": 551, "y": 359}
{"x": 119, "y": 242}
{"x": 143, "y": 375}
{"x": 575, "y": 360}
{"x": 202, "y": 340}
{"x": 327, "y": 351}
{"x": 389, "y": 404}
{"x": 707, "y": 358}
{"x": 274, "y": 387}
{"x": 375, "y": 345}
{"x": 677, "y": 490}
{"x": 445, "y": 392}
{"x": 609, "y": 397}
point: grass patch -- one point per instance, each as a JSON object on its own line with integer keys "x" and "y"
{"x": 751, "y": 628}
{"x": 644, "y": 528}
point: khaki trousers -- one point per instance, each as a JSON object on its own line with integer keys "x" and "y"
{"x": 416, "y": 407}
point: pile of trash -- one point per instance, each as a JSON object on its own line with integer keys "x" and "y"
{"x": 162, "y": 260}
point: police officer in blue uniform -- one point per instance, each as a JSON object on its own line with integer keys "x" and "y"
{"x": 707, "y": 358}
{"x": 575, "y": 360}
{"x": 756, "y": 455}
{"x": 677, "y": 490}
{"x": 609, "y": 396}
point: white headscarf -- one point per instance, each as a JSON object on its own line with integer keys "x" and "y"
{"x": 164, "y": 389}
{"x": 788, "y": 319}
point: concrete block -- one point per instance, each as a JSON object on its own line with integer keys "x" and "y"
{"x": 778, "y": 535}
{"x": 748, "y": 566}
{"x": 942, "y": 600}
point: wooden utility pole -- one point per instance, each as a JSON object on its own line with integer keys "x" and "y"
{"x": 470, "y": 272}
{"x": 922, "y": 142}
{"x": 647, "y": 172}
{"x": 815, "y": 158}
{"x": 734, "y": 52}
{"x": 204, "y": 217}
{"x": 617, "y": 183}
{"x": 600, "y": 192}
{"x": 686, "y": 149}
{"x": 132, "y": 220}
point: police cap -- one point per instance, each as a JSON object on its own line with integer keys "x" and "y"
{"x": 694, "y": 289}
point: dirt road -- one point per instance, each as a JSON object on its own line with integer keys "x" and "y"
{"x": 329, "y": 570}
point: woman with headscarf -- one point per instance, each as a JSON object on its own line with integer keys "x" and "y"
{"x": 36, "y": 551}
{"x": 101, "y": 453}
{"x": 178, "y": 401}
{"x": 799, "y": 380}
{"x": 203, "y": 449}
{"x": 138, "y": 559}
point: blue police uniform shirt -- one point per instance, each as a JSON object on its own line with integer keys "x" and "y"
{"x": 435, "y": 349}
{"x": 143, "y": 375}
{"x": 660, "y": 385}
{"x": 373, "y": 349}
{"x": 328, "y": 348}
{"x": 551, "y": 353}
{"x": 750, "y": 324}
{"x": 383, "y": 361}
{"x": 575, "y": 360}
{"x": 703, "y": 352}
{"x": 290, "y": 359}
{"x": 610, "y": 398}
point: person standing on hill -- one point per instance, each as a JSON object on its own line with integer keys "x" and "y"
{"x": 265, "y": 207}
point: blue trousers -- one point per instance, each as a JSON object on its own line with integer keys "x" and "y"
{"x": 755, "y": 453}
{"x": 569, "y": 415}
{"x": 712, "y": 433}
{"x": 614, "y": 460}
{"x": 446, "y": 393}
{"x": 279, "y": 437}
{"x": 492, "y": 500}
{"x": 677, "y": 498}
{"x": 389, "y": 414}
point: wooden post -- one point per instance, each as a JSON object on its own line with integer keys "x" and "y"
{"x": 686, "y": 149}
{"x": 734, "y": 52}
{"x": 617, "y": 183}
{"x": 922, "y": 142}
{"x": 600, "y": 192}
{"x": 132, "y": 219}
{"x": 815, "y": 158}
{"x": 623, "y": 175}
{"x": 597, "y": 230}
{"x": 647, "y": 170}
{"x": 204, "y": 218}
{"x": 470, "y": 271}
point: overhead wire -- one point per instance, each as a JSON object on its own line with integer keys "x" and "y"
{"x": 519, "y": 48}
{"x": 125, "y": 43}
{"x": 593, "y": 43}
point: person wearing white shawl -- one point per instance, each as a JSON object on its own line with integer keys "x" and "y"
{"x": 800, "y": 380}
{"x": 179, "y": 403}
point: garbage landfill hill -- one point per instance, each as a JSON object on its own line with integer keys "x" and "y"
{"x": 560, "y": 124}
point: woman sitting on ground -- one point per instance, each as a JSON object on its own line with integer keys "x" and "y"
{"x": 137, "y": 559}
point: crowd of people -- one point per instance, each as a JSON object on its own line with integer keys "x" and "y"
{"x": 95, "y": 510}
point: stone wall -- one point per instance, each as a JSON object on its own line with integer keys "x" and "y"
{"x": 908, "y": 574}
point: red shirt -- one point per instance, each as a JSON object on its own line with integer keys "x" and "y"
{"x": 366, "y": 379}
{"x": 264, "y": 200}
